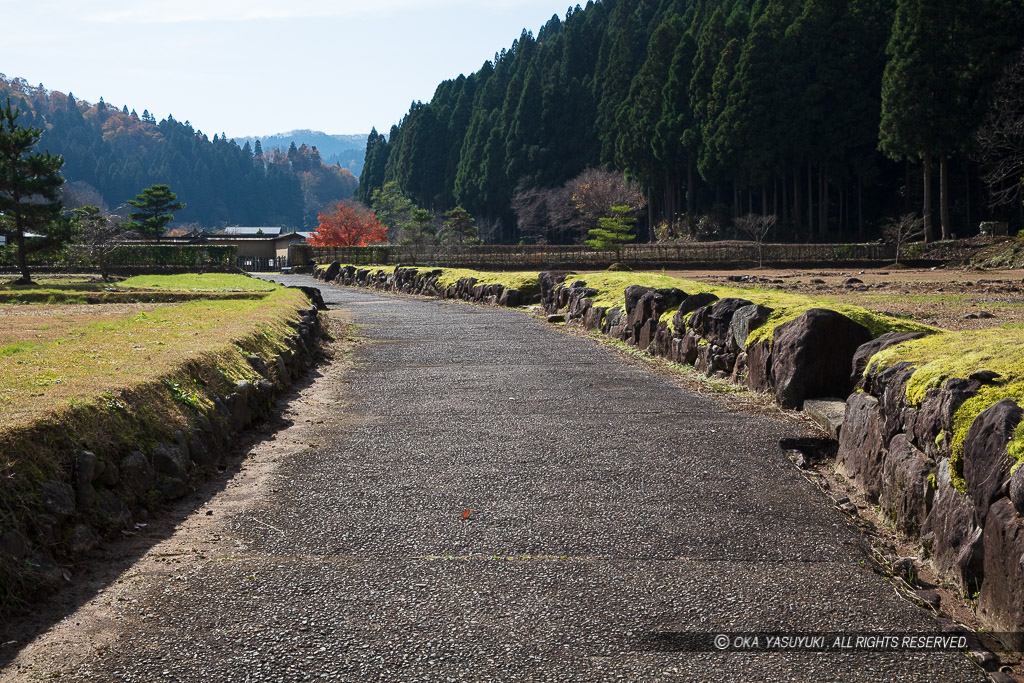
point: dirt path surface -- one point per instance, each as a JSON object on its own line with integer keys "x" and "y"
{"x": 475, "y": 496}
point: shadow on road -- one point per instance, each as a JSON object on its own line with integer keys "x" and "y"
{"x": 117, "y": 554}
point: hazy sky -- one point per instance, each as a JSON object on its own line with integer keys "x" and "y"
{"x": 256, "y": 67}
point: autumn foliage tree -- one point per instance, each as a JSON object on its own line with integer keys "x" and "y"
{"x": 348, "y": 225}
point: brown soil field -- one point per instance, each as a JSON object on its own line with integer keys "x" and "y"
{"x": 943, "y": 297}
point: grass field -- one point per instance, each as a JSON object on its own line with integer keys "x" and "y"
{"x": 56, "y": 290}
{"x": 96, "y": 375}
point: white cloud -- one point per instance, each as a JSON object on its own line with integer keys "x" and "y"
{"x": 187, "y": 11}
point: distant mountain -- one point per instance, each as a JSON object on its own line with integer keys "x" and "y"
{"x": 347, "y": 151}
{"x": 111, "y": 154}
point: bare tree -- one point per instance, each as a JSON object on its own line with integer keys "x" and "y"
{"x": 1001, "y": 139}
{"x": 99, "y": 234}
{"x": 568, "y": 213}
{"x": 755, "y": 227}
{"x": 595, "y": 191}
{"x": 902, "y": 230}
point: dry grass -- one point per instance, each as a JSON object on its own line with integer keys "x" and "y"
{"x": 80, "y": 357}
{"x": 101, "y": 377}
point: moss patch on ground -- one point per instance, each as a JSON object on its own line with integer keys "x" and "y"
{"x": 611, "y": 288}
{"x": 525, "y": 281}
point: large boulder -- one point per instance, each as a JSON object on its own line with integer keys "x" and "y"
{"x": 861, "y": 448}
{"x": 1001, "y": 600}
{"x": 331, "y": 272}
{"x": 866, "y": 351}
{"x": 113, "y": 510}
{"x": 890, "y": 388}
{"x": 688, "y": 348}
{"x": 713, "y": 322}
{"x": 86, "y": 472}
{"x": 314, "y": 295}
{"x": 632, "y": 295}
{"x": 661, "y": 345}
{"x": 170, "y": 460}
{"x": 745, "y": 320}
{"x": 58, "y": 499}
{"x": 935, "y": 417}
{"x": 986, "y": 462}
{"x": 549, "y": 281}
{"x": 689, "y": 305}
{"x": 642, "y": 313}
{"x": 953, "y": 535}
{"x": 615, "y": 323}
{"x": 759, "y": 366}
{"x": 811, "y": 356}
{"x": 136, "y": 473}
{"x": 906, "y": 489}
{"x": 672, "y": 297}
{"x": 593, "y": 319}
{"x": 511, "y": 298}
{"x": 200, "y": 452}
{"x": 580, "y": 301}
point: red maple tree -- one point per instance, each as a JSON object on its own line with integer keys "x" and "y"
{"x": 347, "y": 225}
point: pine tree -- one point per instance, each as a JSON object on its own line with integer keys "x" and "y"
{"x": 459, "y": 227}
{"x": 29, "y": 189}
{"x": 156, "y": 206}
{"x": 614, "y": 231}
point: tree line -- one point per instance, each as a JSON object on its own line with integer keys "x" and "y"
{"x": 110, "y": 154}
{"x": 833, "y": 116}
{"x": 32, "y": 211}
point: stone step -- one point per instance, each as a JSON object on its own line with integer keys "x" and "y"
{"x": 827, "y": 413}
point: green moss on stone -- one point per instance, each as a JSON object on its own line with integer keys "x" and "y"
{"x": 786, "y": 306}
{"x": 939, "y": 357}
{"x": 527, "y": 282}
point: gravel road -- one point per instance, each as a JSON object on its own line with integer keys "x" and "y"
{"x": 605, "y": 502}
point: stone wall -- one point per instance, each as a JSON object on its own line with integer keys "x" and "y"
{"x": 965, "y": 510}
{"x": 966, "y": 506}
{"x": 102, "y": 493}
{"x": 426, "y": 282}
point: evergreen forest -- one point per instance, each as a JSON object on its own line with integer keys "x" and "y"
{"x": 832, "y": 116}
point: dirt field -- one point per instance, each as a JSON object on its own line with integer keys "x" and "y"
{"x": 942, "y": 297}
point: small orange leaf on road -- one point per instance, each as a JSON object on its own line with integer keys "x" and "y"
{"x": 465, "y": 515}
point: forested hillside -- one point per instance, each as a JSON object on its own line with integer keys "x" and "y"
{"x": 832, "y": 115}
{"x": 344, "y": 150}
{"x": 111, "y": 154}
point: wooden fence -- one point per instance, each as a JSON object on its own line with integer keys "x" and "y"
{"x": 130, "y": 258}
{"x": 538, "y": 257}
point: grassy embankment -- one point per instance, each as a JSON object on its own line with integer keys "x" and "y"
{"x": 122, "y": 376}
{"x": 148, "y": 288}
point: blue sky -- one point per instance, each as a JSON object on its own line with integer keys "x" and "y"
{"x": 256, "y": 67}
